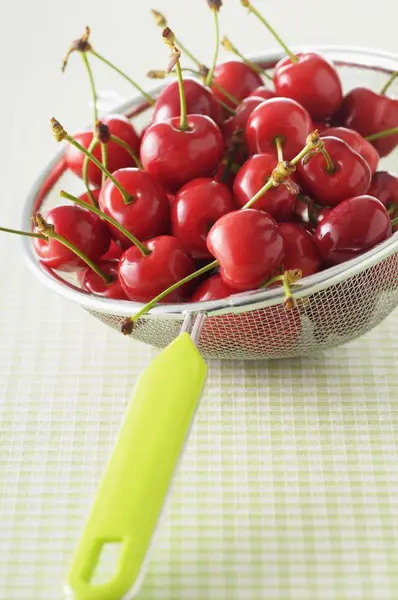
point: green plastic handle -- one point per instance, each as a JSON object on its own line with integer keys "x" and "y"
{"x": 139, "y": 473}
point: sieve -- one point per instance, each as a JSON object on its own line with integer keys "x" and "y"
{"x": 333, "y": 307}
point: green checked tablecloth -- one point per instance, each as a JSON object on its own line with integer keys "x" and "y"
{"x": 288, "y": 488}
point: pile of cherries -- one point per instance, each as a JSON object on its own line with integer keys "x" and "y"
{"x": 164, "y": 220}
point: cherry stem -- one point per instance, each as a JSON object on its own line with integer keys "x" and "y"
{"x": 290, "y": 301}
{"x": 230, "y": 47}
{"x": 144, "y": 251}
{"x": 170, "y": 289}
{"x": 92, "y": 86}
{"x": 210, "y": 74}
{"x": 147, "y": 96}
{"x": 382, "y": 134}
{"x": 61, "y": 134}
{"x": 183, "y": 103}
{"x": 31, "y": 234}
{"x": 125, "y": 146}
{"x": 48, "y": 232}
{"x": 94, "y": 143}
{"x": 278, "y": 144}
{"x": 104, "y": 157}
{"x": 272, "y": 31}
{"x": 394, "y": 222}
{"x": 284, "y": 169}
{"x": 388, "y": 83}
{"x": 330, "y": 166}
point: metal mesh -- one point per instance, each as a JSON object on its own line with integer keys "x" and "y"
{"x": 328, "y": 318}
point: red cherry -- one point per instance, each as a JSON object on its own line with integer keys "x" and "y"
{"x": 248, "y": 247}
{"x": 114, "y": 252}
{"x": 357, "y": 143}
{"x": 144, "y": 277}
{"x": 384, "y": 187}
{"x": 200, "y": 100}
{"x": 353, "y": 227}
{"x": 278, "y": 117}
{"x": 324, "y": 212}
{"x": 117, "y": 157}
{"x": 252, "y": 176}
{"x": 237, "y": 78}
{"x": 91, "y": 282}
{"x": 237, "y": 122}
{"x": 86, "y": 198}
{"x": 263, "y": 92}
{"x": 300, "y": 250}
{"x": 320, "y": 125}
{"x": 148, "y": 215}
{"x": 195, "y": 209}
{"x": 368, "y": 112}
{"x": 351, "y": 175}
{"x": 174, "y": 156}
{"x": 312, "y": 81}
{"x": 212, "y": 288}
{"x": 79, "y": 226}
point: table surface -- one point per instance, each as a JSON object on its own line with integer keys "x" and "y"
{"x": 288, "y": 486}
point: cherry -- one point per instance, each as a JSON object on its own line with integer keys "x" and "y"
{"x": 312, "y": 81}
{"x": 353, "y": 227}
{"x": 92, "y": 283}
{"x": 357, "y": 143}
{"x": 237, "y": 122}
{"x": 237, "y": 78}
{"x": 82, "y": 228}
{"x": 299, "y": 249}
{"x": 324, "y": 212}
{"x": 263, "y": 92}
{"x": 118, "y": 157}
{"x": 384, "y": 187}
{"x": 195, "y": 209}
{"x": 278, "y": 118}
{"x": 94, "y": 196}
{"x": 212, "y": 288}
{"x": 305, "y": 77}
{"x": 369, "y": 113}
{"x": 248, "y": 247}
{"x": 278, "y": 201}
{"x": 174, "y": 155}
{"x": 146, "y": 215}
{"x": 143, "y": 277}
{"x": 199, "y": 99}
{"x": 348, "y": 173}
{"x": 114, "y": 253}
{"x": 181, "y": 148}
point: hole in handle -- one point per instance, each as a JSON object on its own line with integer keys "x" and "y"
{"x": 105, "y": 567}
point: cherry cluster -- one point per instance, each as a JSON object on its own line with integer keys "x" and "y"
{"x": 233, "y": 185}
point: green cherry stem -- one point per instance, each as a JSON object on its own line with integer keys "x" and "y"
{"x": 144, "y": 251}
{"x": 47, "y": 231}
{"x": 147, "y": 96}
{"x": 128, "y": 324}
{"x": 104, "y": 158}
{"x": 388, "y": 83}
{"x": 247, "y": 4}
{"x": 278, "y": 144}
{"x": 214, "y": 7}
{"x": 382, "y": 134}
{"x": 394, "y": 222}
{"x": 169, "y": 39}
{"x": 31, "y": 234}
{"x": 161, "y": 22}
{"x": 94, "y": 143}
{"x": 92, "y": 86}
{"x": 61, "y": 134}
{"x": 125, "y": 146}
{"x": 229, "y": 46}
{"x": 83, "y": 46}
{"x": 284, "y": 169}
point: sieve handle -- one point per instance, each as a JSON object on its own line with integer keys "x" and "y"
{"x": 139, "y": 473}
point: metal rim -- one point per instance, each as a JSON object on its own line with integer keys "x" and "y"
{"x": 240, "y": 302}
